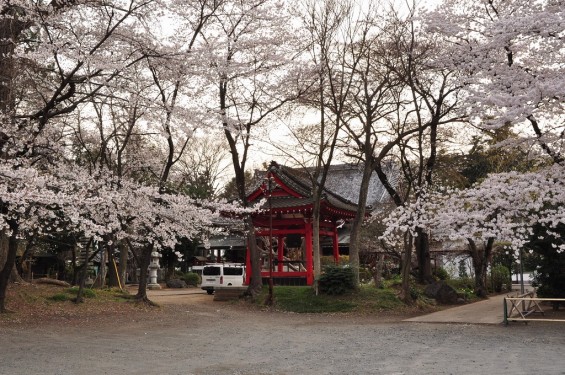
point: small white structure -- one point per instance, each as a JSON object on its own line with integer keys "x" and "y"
{"x": 153, "y": 267}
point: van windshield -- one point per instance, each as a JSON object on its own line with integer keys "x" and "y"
{"x": 233, "y": 271}
{"x": 211, "y": 271}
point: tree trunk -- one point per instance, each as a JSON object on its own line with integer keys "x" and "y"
{"x": 113, "y": 273}
{"x": 256, "y": 283}
{"x": 144, "y": 261}
{"x": 79, "y": 298}
{"x": 10, "y": 260}
{"x": 480, "y": 263}
{"x": 407, "y": 268}
{"x": 122, "y": 270}
{"x": 316, "y": 239}
{"x": 377, "y": 274}
{"x": 422, "y": 244}
{"x": 358, "y": 221}
{"x": 101, "y": 279}
{"x": 9, "y": 31}
{"x": 170, "y": 273}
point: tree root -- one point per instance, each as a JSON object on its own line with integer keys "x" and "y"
{"x": 144, "y": 300}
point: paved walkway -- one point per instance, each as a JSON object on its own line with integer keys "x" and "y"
{"x": 489, "y": 311}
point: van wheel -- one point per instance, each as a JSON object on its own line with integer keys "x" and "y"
{"x": 210, "y": 291}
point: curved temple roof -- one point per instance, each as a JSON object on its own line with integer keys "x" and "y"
{"x": 292, "y": 189}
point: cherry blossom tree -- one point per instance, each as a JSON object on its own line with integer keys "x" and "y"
{"x": 507, "y": 55}
{"x": 251, "y": 52}
{"x": 99, "y": 207}
{"x": 503, "y": 209}
{"x": 65, "y": 56}
{"x": 50, "y": 51}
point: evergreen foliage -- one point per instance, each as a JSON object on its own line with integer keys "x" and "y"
{"x": 550, "y": 273}
{"x": 500, "y": 276}
{"x": 336, "y": 280}
{"x": 192, "y": 278}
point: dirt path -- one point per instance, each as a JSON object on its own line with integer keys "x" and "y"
{"x": 194, "y": 335}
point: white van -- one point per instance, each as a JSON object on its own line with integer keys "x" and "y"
{"x": 222, "y": 274}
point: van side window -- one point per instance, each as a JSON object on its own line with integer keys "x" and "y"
{"x": 211, "y": 271}
{"x": 233, "y": 271}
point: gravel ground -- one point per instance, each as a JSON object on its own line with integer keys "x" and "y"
{"x": 195, "y": 335}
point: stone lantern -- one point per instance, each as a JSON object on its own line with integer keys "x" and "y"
{"x": 153, "y": 267}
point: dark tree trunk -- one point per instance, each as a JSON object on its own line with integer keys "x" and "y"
{"x": 122, "y": 270}
{"x": 113, "y": 275}
{"x": 256, "y": 283}
{"x": 100, "y": 281}
{"x": 79, "y": 298}
{"x": 422, "y": 244}
{"x": 358, "y": 221}
{"x": 7, "y": 267}
{"x": 378, "y": 269}
{"x": 480, "y": 257}
{"x": 407, "y": 268}
{"x": 170, "y": 273}
{"x": 144, "y": 261}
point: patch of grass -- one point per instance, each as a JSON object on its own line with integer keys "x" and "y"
{"x": 86, "y": 292}
{"x": 366, "y": 299}
{"x": 371, "y": 299}
{"x": 301, "y": 299}
{"x": 59, "y": 297}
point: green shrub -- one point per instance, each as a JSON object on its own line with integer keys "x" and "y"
{"x": 500, "y": 276}
{"x": 192, "y": 278}
{"x": 461, "y": 283}
{"x": 336, "y": 280}
{"x": 441, "y": 274}
{"x": 59, "y": 297}
{"x": 396, "y": 280}
{"x": 414, "y": 293}
{"x": 177, "y": 274}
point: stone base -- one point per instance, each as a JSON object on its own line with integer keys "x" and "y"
{"x": 153, "y": 286}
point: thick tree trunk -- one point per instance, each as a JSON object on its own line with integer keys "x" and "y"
{"x": 144, "y": 261}
{"x": 101, "y": 278}
{"x": 9, "y": 30}
{"x": 256, "y": 283}
{"x": 480, "y": 259}
{"x": 422, "y": 244}
{"x": 407, "y": 268}
{"x": 122, "y": 270}
{"x": 358, "y": 221}
{"x": 170, "y": 273}
{"x": 10, "y": 260}
{"x": 79, "y": 298}
{"x": 378, "y": 272}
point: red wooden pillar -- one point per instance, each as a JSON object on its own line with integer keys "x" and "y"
{"x": 280, "y": 255}
{"x": 335, "y": 241}
{"x": 308, "y": 248}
